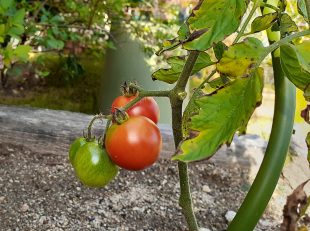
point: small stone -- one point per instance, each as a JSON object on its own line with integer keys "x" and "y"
{"x": 265, "y": 223}
{"x": 230, "y": 215}
{"x": 24, "y": 208}
{"x": 2, "y": 199}
{"x": 204, "y": 229}
{"x": 206, "y": 188}
{"x": 43, "y": 220}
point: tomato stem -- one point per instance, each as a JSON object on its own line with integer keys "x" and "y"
{"x": 142, "y": 94}
{"x": 247, "y": 20}
{"x": 90, "y": 125}
{"x": 108, "y": 123}
{"x": 185, "y": 200}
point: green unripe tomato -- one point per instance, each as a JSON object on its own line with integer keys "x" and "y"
{"x": 93, "y": 166}
{"x": 79, "y": 142}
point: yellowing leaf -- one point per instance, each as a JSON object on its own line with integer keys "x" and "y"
{"x": 241, "y": 58}
{"x": 221, "y": 114}
{"x": 263, "y": 22}
{"x": 287, "y": 24}
{"x": 171, "y": 75}
{"x": 213, "y": 20}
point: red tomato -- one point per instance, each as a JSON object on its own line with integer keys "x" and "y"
{"x": 134, "y": 144}
{"x": 145, "y": 107}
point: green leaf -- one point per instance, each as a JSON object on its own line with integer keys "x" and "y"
{"x": 171, "y": 75}
{"x": 219, "y": 49}
{"x": 8, "y": 54}
{"x": 184, "y": 31}
{"x": 302, "y": 9}
{"x": 221, "y": 114}
{"x": 6, "y": 4}
{"x": 15, "y": 31}
{"x": 211, "y": 21}
{"x": 169, "y": 45}
{"x": 22, "y": 51}
{"x": 56, "y": 20}
{"x": 18, "y": 18}
{"x": 263, "y": 22}
{"x": 287, "y": 25}
{"x": 241, "y": 58}
{"x": 54, "y": 43}
{"x": 295, "y": 62}
{"x": 2, "y": 32}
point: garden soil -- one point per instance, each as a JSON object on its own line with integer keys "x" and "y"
{"x": 41, "y": 192}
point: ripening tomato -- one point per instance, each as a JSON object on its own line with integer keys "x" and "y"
{"x": 93, "y": 166}
{"x": 79, "y": 142}
{"x": 134, "y": 144}
{"x": 145, "y": 107}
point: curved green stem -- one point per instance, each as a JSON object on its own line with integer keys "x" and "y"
{"x": 266, "y": 180}
{"x": 270, "y": 6}
{"x": 268, "y": 175}
{"x": 90, "y": 125}
{"x": 247, "y": 20}
{"x": 185, "y": 200}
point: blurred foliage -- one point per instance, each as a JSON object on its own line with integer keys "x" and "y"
{"x": 78, "y": 27}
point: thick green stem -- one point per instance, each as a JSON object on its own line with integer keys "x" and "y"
{"x": 308, "y": 10}
{"x": 268, "y": 175}
{"x": 247, "y": 20}
{"x": 185, "y": 199}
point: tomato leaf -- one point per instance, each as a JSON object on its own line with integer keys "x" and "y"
{"x": 240, "y": 58}
{"x": 295, "y": 62}
{"x": 169, "y": 45}
{"x": 287, "y": 24}
{"x": 219, "y": 49}
{"x": 221, "y": 114}
{"x": 302, "y": 9}
{"x": 211, "y": 21}
{"x": 171, "y": 75}
{"x": 263, "y": 22}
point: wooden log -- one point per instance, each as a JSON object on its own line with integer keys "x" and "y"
{"x": 51, "y": 131}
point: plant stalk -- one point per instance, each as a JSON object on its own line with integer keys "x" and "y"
{"x": 185, "y": 200}
{"x": 90, "y": 125}
{"x": 268, "y": 175}
{"x": 247, "y": 20}
{"x": 143, "y": 94}
{"x": 307, "y": 2}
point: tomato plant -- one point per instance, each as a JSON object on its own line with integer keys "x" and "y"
{"x": 135, "y": 144}
{"x": 145, "y": 107}
{"x": 74, "y": 147}
{"x": 223, "y": 103}
{"x": 93, "y": 166}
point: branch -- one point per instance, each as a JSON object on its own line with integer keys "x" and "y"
{"x": 142, "y": 94}
{"x": 185, "y": 200}
{"x": 241, "y": 32}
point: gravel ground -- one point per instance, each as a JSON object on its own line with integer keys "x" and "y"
{"x": 40, "y": 192}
